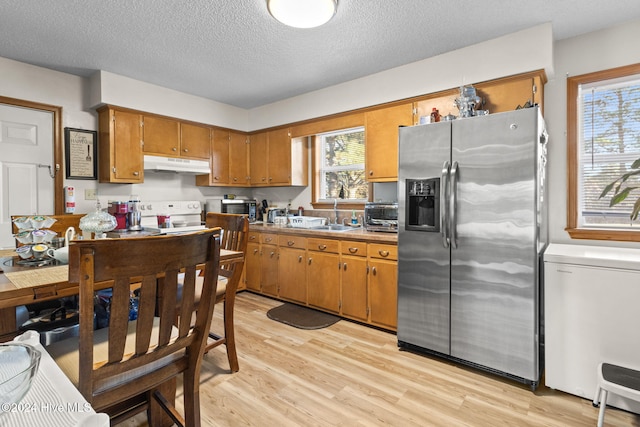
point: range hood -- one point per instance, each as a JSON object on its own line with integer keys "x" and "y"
{"x": 176, "y": 165}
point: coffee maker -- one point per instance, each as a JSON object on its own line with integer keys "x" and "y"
{"x": 120, "y": 210}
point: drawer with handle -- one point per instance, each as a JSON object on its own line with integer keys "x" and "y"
{"x": 377, "y": 250}
{"x": 348, "y": 247}
{"x": 323, "y": 245}
{"x": 289, "y": 241}
{"x": 269, "y": 239}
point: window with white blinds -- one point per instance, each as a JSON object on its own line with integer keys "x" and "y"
{"x": 609, "y": 143}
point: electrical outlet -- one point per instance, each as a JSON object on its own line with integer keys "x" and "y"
{"x": 90, "y": 194}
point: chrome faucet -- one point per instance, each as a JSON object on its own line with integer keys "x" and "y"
{"x": 335, "y": 211}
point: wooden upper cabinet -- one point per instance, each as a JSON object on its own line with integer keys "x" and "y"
{"x": 497, "y": 96}
{"x": 229, "y": 160}
{"x": 279, "y": 155}
{"x": 381, "y": 141}
{"x": 164, "y": 136}
{"x": 278, "y": 160}
{"x": 445, "y": 104}
{"x": 508, "y": 94}
{"x": 120, "y": 147}
{"x": 161, "y": 136}
{"x": 220, "y": 157}
{"x": 258, "y": 159}
{"x": 195, "y": 141}
{"x": 238, "y": 158}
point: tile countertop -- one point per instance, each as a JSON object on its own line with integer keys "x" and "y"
{"x": 356, "y": 234}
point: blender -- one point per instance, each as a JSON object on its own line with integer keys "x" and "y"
{"x": 134, "y": 215}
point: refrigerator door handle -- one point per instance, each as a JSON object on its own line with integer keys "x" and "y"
{"x": 453, "y": 205}
{"x": 444, "y": 214}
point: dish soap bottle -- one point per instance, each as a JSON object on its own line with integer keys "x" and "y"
{"x": 354, "y": 219}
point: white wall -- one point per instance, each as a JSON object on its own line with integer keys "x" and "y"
{"x": 77, "y": 97}
{"x": 36, "y": 84}
{"x": 109, "y": 88}
{"x": 516, "y": 53}
{"x": 609, "y": 48}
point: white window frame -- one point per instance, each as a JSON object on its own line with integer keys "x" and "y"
{"x": 323, "y": 169}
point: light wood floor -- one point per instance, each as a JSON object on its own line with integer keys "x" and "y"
{"x": 353, "y": 375}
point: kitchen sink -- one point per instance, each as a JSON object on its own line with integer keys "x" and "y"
{"x": 332, "y": 227}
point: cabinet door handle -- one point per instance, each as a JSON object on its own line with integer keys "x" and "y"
{"x": 217, "y": 178}
{"x": 290, "y": 243}
{"x": 344, "y": 266}
{"x": 299, "y": 258}
{"x": 370, "y": 173}
{"x": 186, "y": 150}
{"x": 252, "y": 238}
{"x": 353, "y": 250}
{"x": 272, "y": 254}
{"x": 322, "y": 247}
{"x": 235, "y": 179}
{"x": 136, "y": 173}
{"x": 309, "y": 262}
{"x": 255, "y": 251}
{"x": 268, "y": 239}
{"x": 373, "y": 271}
{"x": 383, "y": 254}
{"x": 174, "y": 149}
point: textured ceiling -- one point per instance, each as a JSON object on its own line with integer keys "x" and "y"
{"x": 233, "y": 52}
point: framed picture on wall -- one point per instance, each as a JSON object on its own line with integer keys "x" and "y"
{"x": 81, "y": 154}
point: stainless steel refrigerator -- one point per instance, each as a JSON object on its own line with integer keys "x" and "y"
{"x": 472, "y": 229}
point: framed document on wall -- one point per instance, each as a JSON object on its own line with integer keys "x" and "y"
{"x": 81, "y": 154}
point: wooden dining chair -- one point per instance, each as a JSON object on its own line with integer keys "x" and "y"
{"x": 235, "y": 235}
{"x": 132, "y": 365}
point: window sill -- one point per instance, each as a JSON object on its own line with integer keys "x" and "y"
{"x": 602, "y": 234}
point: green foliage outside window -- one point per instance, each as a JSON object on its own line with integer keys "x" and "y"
{"x": 342, "y": 169}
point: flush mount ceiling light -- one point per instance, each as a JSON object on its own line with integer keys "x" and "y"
{"x": 302, "y": 13}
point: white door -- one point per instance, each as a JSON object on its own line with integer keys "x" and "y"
{"x": 26, "y": 164}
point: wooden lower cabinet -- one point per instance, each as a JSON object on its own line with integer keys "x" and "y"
{"x": 253, "y": 266}
{"x": 383, "y": 285}
{"x": 323, "y": 274}
{"x": 356, "y": 280}
{"x": 353, "y": 280}
{"x": 262, "y": 263}
{"x": 292, "y": 262}
{"x": 269, "y": 264}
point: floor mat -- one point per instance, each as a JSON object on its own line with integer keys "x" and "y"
{"x": 301, "y": 317}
